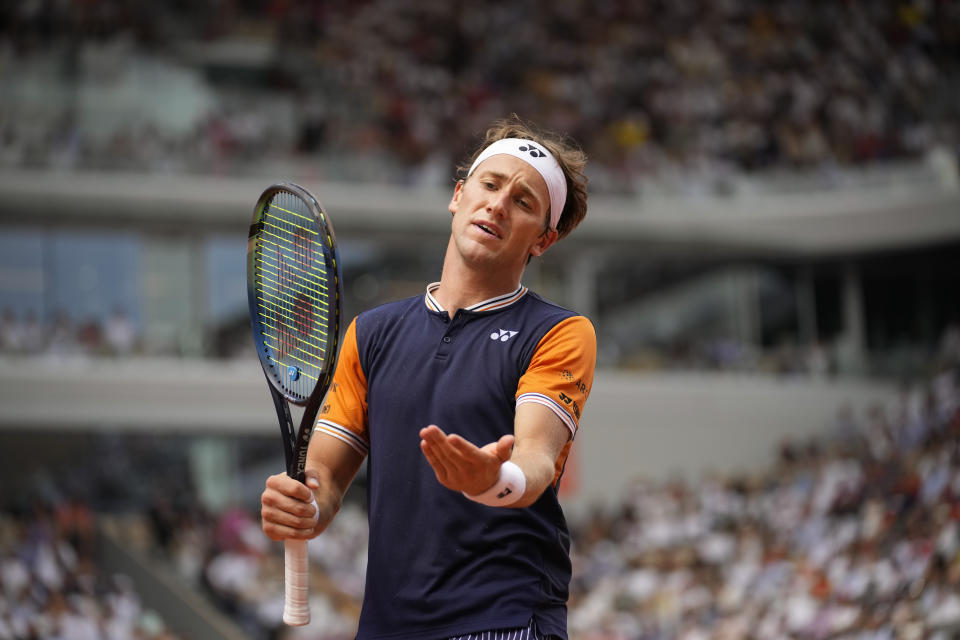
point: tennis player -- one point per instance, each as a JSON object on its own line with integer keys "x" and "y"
{"x": 466, "y": 400}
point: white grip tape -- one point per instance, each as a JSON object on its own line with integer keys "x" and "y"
{"x": 296, "y": 609}
{"x": 509, "y": 487}
{"x": 296, "y": 568}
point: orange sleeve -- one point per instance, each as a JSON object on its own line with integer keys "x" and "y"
{"x": 560, "y": 373}
{"x": 344, "y": 411}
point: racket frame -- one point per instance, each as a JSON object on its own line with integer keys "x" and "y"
{"x": 296, "y": 564}
{"x": 295, "y": 443}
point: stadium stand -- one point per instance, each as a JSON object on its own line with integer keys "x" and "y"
{"x": 53, "y": 585}
{"x": 850, "y": 534}
{"x": 678, "y": 94}
{"x": 853, "y": 536}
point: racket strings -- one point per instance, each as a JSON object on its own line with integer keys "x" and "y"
{"x": 278, "y": 302}
{"x": 299, "y": 254}
{"x": 291, "y": 265}
{"x": 320, "y": 294}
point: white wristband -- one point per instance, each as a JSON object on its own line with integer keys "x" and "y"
{"x": 509, "y": 487}
{"x": 316, "y": 508}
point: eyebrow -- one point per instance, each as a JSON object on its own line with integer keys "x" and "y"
{"x": 523, "y": 186}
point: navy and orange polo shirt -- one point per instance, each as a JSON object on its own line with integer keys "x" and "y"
{"x": 441, "y": 565}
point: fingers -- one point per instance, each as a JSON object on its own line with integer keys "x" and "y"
{"x": 433, "y": 435}
{"x": 285, "y": 485}
{"x": 447, "y": 453}
{"x": 431, "y": 448}
{"x": 459, "y": 464}
{"x": 504, "y": 447}
{"x": 448, "y": 447}
{"x": 286, "y": 509}
{"x": 433, "y": 443}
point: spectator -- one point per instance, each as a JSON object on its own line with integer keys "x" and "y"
{"x": 50, "y": 586}
{"x": 842, "y": 538}
{"x": 692, "y": 89}
{"x": 119, "y": 333}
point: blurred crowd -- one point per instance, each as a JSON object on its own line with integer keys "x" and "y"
{"x": 852, "y": 535}
{"x": 855, "y": 535}
{"x": 226, "y": 556}
{"x": 683, "y": 92}
{"x": 790, "y": 358}
{"x": 26, "y": 334}
{"x": 51, "y": 587}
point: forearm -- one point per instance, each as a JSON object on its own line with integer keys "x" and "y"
{"x": 328, "y": 499}
{"x": 331, "y": 467}
{"x": 538, "y": 469}
{"x": 540, "y": 440}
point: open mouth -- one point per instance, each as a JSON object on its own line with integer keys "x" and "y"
{"x": 488, "y": 230}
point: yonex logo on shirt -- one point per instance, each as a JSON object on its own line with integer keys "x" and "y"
{"x": 503, "y": 335}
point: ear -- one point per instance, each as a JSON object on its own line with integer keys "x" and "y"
{"x": 455, "y": 200}
{"x": 546, "y": 239}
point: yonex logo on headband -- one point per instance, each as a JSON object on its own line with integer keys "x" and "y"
{"x": 536, "y": 153}
{"x": 541, "y": 160}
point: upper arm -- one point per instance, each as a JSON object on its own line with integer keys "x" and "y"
{"x": 552, "y": 393}
{"x": 560, "y": 373}
{"x": 538, "y": 428}
{"x": 340, "y": 438}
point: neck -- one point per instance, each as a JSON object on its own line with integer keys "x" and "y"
{"x": 462, "y": 286}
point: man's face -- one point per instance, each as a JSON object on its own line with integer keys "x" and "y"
{"x": 500, "y": 213}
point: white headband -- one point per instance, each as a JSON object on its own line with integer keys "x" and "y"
{"x": 538, "y": 158}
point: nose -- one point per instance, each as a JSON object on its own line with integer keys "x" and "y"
{"x": 497, "y": 204}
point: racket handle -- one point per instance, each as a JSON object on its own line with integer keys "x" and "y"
{"x": 296, "y": 606}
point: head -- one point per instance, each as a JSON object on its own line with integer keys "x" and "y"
{"x": 569, "y": 157}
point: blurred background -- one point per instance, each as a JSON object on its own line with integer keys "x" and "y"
{"x": 771, "y": 260}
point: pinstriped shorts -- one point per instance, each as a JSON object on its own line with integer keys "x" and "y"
{"x": 519, "y": 633}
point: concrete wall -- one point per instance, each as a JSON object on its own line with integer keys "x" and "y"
{"x": 654, "y": 425}
{"x": 660, "y": 426}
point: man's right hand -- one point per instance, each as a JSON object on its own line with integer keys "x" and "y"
{"x": 287, "y": 507}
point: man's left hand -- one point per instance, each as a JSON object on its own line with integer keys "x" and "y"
{"x": 459, "y": 464}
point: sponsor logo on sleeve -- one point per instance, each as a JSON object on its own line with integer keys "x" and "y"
{"x": 570, "y": 402}
{"x": 579, "y": 384}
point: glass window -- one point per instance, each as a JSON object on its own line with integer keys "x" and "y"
{"x": 226, "y": 279}
{"x": 21, "y": 273}
{"x": 95, "y": 275}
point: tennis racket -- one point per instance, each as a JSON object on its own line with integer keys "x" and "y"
{"x": 294, "y": 291}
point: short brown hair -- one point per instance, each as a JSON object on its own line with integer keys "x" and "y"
{"x": 568, "y": 154}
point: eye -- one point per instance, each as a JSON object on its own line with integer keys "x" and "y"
{"x": 489, "y": 185}
{"x": 523, "y": 202}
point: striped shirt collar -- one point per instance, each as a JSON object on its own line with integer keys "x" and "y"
{"x": 499, "y": 302}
